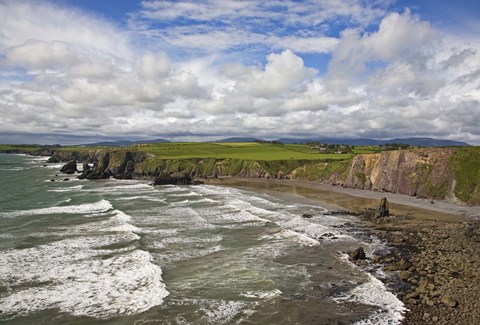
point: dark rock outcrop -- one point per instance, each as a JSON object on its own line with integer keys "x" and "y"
{"x": 70, "y": 167}
{"x": 168, "y": 179}
{"x": 358, "y": 254}
{"x": 382, "y": 209}
{"x": 126, "y": 171}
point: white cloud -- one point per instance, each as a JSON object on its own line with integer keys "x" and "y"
{"x": 22, "y": 21}
{"x": 155, "y": 66}
{"x": 404, "y": 78}
{"x": 400, "y": 35}
{"x": 222, "y": 25}
{"x": 284, "y": 72}
{"x": 36, "y": 54}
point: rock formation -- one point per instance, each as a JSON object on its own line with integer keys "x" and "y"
{"x": 70, "y": 167}
{"x": 382, "y": 209}
{"x": 168, "y": 179}
{"x": 358, "y": 254}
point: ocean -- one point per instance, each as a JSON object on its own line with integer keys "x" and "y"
{"x": 125, "y": 252}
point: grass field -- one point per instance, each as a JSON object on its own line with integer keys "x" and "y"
{"x": 243, "y": 151}
{"x": 11, "y": 147}
{"x": 234, "y": 150}
{"x": 221, "y": 150}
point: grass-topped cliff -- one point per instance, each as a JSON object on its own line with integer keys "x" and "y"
{"x": 439, "y": 173}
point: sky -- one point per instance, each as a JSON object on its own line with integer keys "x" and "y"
{"x": 78, "y": 71}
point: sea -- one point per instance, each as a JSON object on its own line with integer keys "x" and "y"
{"x": 125, "y": 252}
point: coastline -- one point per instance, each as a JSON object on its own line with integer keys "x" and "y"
{"x": 435, "y": 263}
{"x": 356, "y": 199}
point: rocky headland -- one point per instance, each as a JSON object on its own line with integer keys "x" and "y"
{"x": 451, "y": 173}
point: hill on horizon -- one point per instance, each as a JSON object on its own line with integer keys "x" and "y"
{"x": 124, "y": 142}
{"x": 420, "y": 142}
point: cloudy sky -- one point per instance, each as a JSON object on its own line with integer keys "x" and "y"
{"x": 81, "y": 70}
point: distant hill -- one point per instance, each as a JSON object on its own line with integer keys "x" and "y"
{"x": 421, "y": 142}
{"x": 428, "y": 142}
{"x": 124, "y": 143}
{"x": 237, "y": 139}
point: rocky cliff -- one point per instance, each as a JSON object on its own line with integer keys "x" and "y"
{"x": 436, "y": 173}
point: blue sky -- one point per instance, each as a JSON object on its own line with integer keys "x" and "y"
{"x": 200, "y": 70}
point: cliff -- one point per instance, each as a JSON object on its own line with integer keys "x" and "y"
{"x": 438, "y": 173}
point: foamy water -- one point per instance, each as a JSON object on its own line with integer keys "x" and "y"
{"x": 175, "y": 255}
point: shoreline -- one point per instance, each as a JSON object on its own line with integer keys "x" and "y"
{"x": 357, "y": 200}
{"x": 435, "y": 265}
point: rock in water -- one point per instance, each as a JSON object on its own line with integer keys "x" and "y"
{"x": 70, "y": 167}
{"x": 167, "y": 179}
{"x": 382, "y": 210}
{"x": 86, "y": 166}
{"x": 358, "y": 254}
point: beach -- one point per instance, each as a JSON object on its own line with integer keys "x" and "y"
{"x": 435, "y": 261}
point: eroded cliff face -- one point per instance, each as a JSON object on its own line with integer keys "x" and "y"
{"x": 437, "y": 173}
{"x": 106, "y": 163}
{"x": 423, "y": 173}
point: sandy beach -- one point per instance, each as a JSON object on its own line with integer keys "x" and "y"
{"x": 435, "y": 265}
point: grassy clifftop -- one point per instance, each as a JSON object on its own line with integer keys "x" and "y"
{"x": 465, "y": 164}
{"x": 439, "y": 173}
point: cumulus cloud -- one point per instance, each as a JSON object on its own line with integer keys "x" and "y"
{"x": 400, "y": 78}
{"x": 284, "y": 72}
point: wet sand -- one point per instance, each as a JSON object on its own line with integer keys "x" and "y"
{"x": 335, "y": 198}
{"x": 436, "y": 261}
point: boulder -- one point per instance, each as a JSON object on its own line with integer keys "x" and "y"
{"x": 70, "y": 167}
{"x": 306, "y": 216}
{"x": 358, "y": 254}
{"x": 449, "y": 301}
{"x": 382, "y": 209}
{"x": 167, "y": 179}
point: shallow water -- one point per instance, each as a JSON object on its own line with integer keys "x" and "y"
{"x": 123, "y": 252}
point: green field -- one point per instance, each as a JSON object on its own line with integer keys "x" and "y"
{"x": 22, "y": 147}
{"x": 243, "y": 151}
{"x": 234, "y": 150}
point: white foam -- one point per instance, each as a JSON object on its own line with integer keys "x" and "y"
{"x": 374, "y": 293}
{"x": 229, "y": 214}
{"x": 292, "y": 235}
{"x": 54, "y": 166}
{"x": 222, "y": 312}
{"x": 267, "y": 295}
{"x": 86, "y": 208}
{"x": 185, "y": 194}
{"x": 67, "y": 189}
{"x": 141, "y": 197}
{"x": 74, "y": 276}
{"x": 119, "y": 189}
{"x": 119, "y": 222}
{"x": 14, "y": 168}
